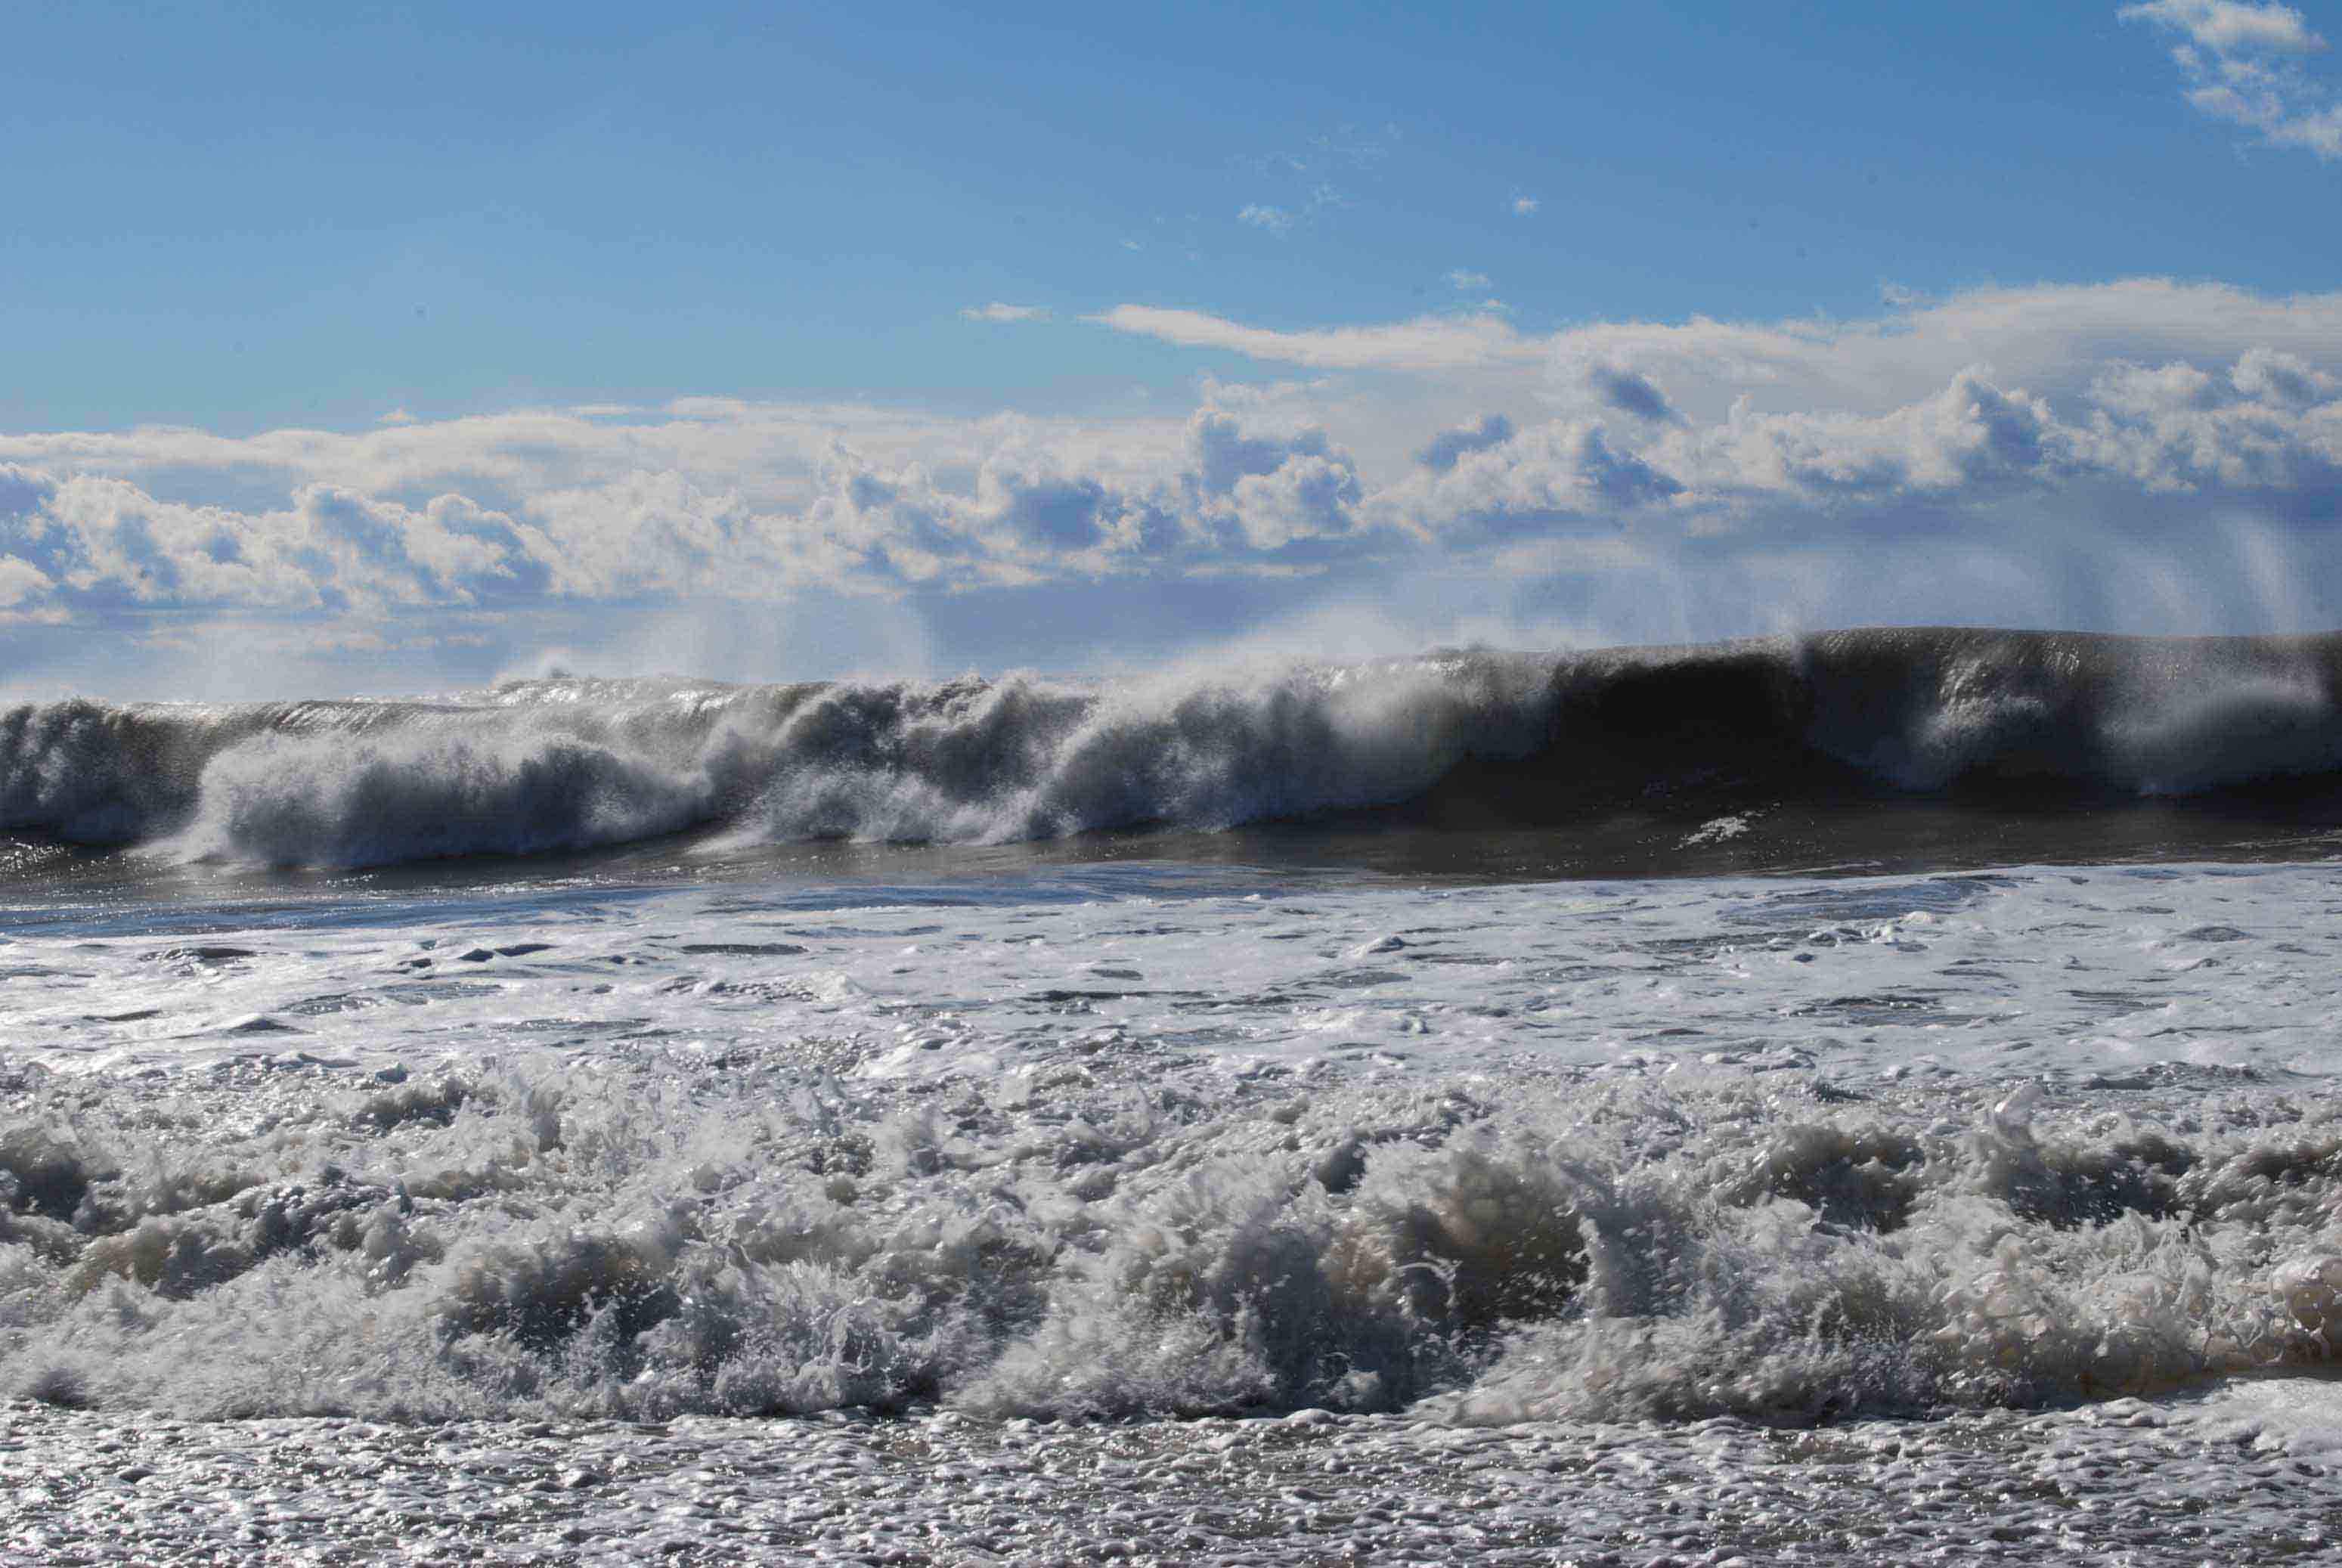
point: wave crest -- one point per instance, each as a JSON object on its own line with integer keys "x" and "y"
{"x": 569, "y": 763}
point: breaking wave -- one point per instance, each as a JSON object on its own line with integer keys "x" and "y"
{"x": 571, "y": 764}
{"x": 627, "y": 1242}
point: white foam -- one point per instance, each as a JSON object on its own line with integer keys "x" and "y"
{"x": 1567, "y": 1151}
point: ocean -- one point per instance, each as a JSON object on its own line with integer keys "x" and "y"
{"x": 1856, "y": 1097}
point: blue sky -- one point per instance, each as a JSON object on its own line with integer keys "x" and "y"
{"x": 414, "y": 344}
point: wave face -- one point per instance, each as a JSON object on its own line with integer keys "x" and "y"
{"x": 574, "y": 764}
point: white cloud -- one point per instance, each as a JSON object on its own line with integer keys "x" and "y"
{"x": 1973, "y": 442}
{"x": 996, "y": 311}
{"x": 2231, "y": 25}
{"x": 1631, "y": 393}
{"x": 1468, "y": 281}
{"x": 20, "y": 581}
{"x": 1524, "y": 206}
{"x": 2273, "y": 375}
{"x": 1270, "y": 489}
{"x": 2097, "y": 418}
{"x": 2246, "y": 64}
{"x": 2052, "y": 338}
{"x": 1428, "y": 344}
{"x": 1260, "y": 216}
{"x": 1449, "y": 446}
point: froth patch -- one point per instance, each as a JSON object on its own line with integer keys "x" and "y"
{"x": 658, "y": 1235}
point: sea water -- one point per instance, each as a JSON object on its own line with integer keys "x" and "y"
{"x": 1595, "y": 1132}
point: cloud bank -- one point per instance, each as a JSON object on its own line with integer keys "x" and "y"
{"x": 2158, "y": 455}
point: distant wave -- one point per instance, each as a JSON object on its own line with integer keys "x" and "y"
{"x": 570, "y": 763}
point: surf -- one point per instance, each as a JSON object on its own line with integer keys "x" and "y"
{"x": 1686, "y": 736}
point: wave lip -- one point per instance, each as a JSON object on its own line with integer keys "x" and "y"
{"x": 1470, "y": 737}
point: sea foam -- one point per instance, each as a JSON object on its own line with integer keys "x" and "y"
{"x": 590, "y": 1242}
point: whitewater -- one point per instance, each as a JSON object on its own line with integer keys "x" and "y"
{"x": 1848, "y": 1098}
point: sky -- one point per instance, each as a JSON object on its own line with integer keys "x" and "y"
{"x": 396, "y": 348}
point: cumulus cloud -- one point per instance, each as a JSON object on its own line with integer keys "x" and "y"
{"x": 996, "y": 311}
{"x": 2099, "y": 419}
{"x": 1450, "y": 445}
{"x": 20, "y": 581}
{"x": 109, "y": 542}
{"x": 1037, "y": 502}
{"x": 1501, "y": 484}
{"x": 1631, "y": 391}
{"x": 1269, "y": 490}
{"x": 1973, "y": 443}
{"x": 1468, "y": 281}
{"x": 2273, "y": 375}
{"x": 1261, "y": 216}
{"x": 1308, "y": 495}
{"x": 2247, "y": 64}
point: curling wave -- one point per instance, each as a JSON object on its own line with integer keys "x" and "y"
{"x": 570, "y": 763}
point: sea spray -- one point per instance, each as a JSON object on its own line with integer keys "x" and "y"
{"x": 1695, "y": 735}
